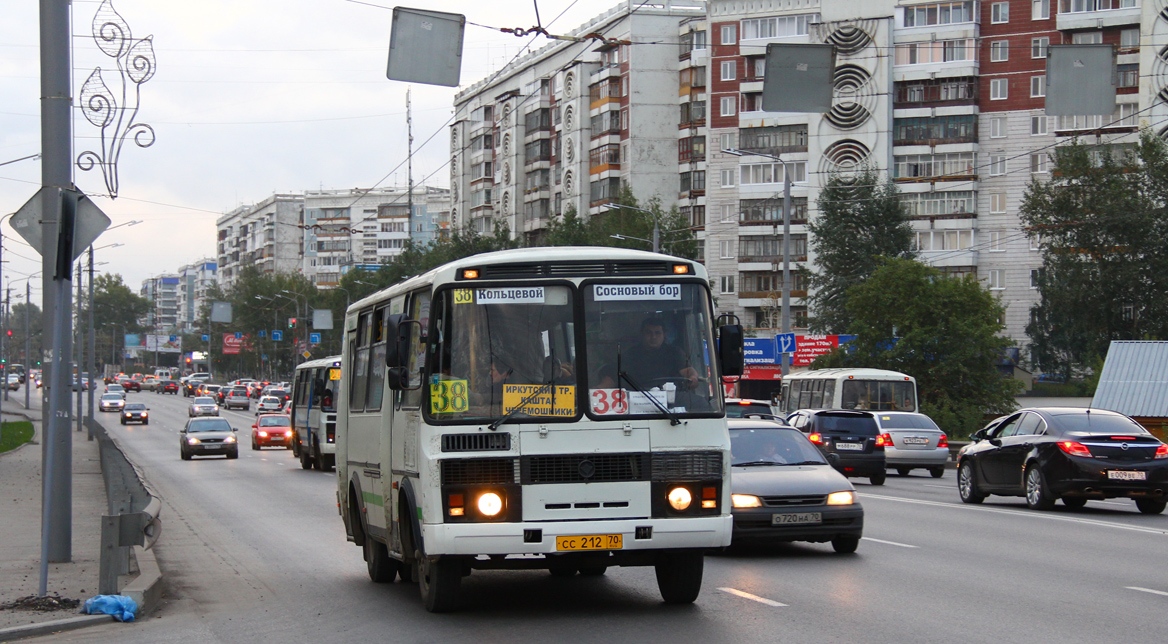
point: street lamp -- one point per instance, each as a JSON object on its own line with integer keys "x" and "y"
{"x": 786, "y": 306}
{"x": 656, "y": 230}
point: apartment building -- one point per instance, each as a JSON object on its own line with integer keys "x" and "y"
{"x": 162, "y": 292}
{"x": 191, "y": 295}
{"x": 267, "y": 235}
{"x": 571, "y": 123}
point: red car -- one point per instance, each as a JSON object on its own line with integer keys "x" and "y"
{"x": 271, "y": 430}
{"x": 129, "y": 384}
{"x": 168, "y": 387}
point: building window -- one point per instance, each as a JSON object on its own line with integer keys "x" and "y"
{"x": 729, "y": 34}
{"x": 998, "y": 279}
{"x": 1039, "y": 47}
{"x": 770, "y": 173}
{"x": 959, "y": 128}
{"x": 760, "y": 68}
{"x": 999, "y": 89}
{"x": 927, "y": 240}
{"x": 726, "y": 283}
{"x": 1040, "y": 9}
{"x": 997, "y": 202}
{"x": 999, "y": 13}
{"x": 778, "y": 27}
{"x": 728, "y": 106}
{"x": 925, "y": 166}
{"x": 726, "y": 141}
{"x": 1037, "y": 86}
{"x": 728, "y": 215}
{"x": 728, "y": 177}
{"x": 931, "y": 204}
{"x": 999, "y": 51}
{"x": 726, "y": 250}
{"x": 944, "y": 13}
{"x": 1037, "y": 125}
{"x": 997, "y": 165}
{"x": 1038, "y": 163}
{"x": 997, "y": 127}
{"x": 729, "y": 67}
{"x": 1129, "y": 39}
{"x": 1087, "y": 38}
{"x": 1034, "y": 278}
{"x": 774, "y": 140}
{"x": 994, "y": 244}
{"x": 1129, "y": 75}
{"x": 941, "y": 51}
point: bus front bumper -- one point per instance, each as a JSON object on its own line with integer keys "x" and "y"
{"x": 541, "y": 537}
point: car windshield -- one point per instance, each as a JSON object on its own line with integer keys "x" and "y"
{"x": 779, "y": 446}
{"x": 1087, "y": 424}
{"x": 111, "y": 397}
{"x": 274, "y": 421}
{"x": 906, "y": 421}
{"x": 860, "y": 424}
{"x": 135, "y": 407}
{"x": 209, "y": 425}
{"x": 203, "y": 400}
{"x": 277, "y": 392}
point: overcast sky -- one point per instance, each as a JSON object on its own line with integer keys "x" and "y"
{"x": 250, "y": 97}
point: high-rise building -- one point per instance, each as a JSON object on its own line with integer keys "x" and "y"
{"x": 267, "y": 235}
{"x": 191, "y": 295}
{"x": 162, "y": 292}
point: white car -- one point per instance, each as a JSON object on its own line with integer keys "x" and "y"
{"x": 268, "y": 405}
{"x": 111, "y": 402}
{"x": 917, "y": 442}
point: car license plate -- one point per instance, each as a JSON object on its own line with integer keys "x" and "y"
{"x": 850, "y": 446}
{"x": 796, "y": 518}
{"x": 1121, "y": 475}
{"x": 915, "y": 440}
{"x": 590, "y": 542}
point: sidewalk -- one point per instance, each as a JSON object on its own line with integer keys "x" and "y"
{"x": 20, "y": 522}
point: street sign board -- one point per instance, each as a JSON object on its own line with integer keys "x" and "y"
{"x": 238, "y": 335}
{"x": 91, "y": 222}
{"x": 277, "y": 336}
{"x": 758, "y": 350}
{"x": 786, "y": 342}
{"x": 425, "y": 46}
{"x": 206, "y": 337}
{"x": 314, "y": 338}
{"x": 221, "y": 312}
{"x": 262, "y": 333}
{"x": 307, "y": 354}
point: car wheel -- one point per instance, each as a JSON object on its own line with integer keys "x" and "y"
{"x": 123, "y": 422}
{"x": 186, "y": 456}
{"x": 234, "y": 454}
{"x": 592, "y": 571}
{"x": 903, "y": 471}
{"x": 305, "y": 460}
{"x": 878, "y": 479}
{"x": 254, "y": 445}
{"x": 381, "y": 567}
{"x": 937, "y": 472}
{"x": 845, "y": 545}
{"x": 145, "y": 422}
{"x": 1074, "y": 502}
{"x": 1037, "y": 496}
{"x": 317, "y": 463}
{"x": 967, "y": 484}
{"x": 1150, "y": 506}
{"x": 679, "y": 576}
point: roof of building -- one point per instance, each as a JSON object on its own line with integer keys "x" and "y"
{"x": 1134, "y": 379}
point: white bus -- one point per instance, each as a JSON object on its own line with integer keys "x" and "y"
{"x": 871, "y": 389}
{"x": 543, "y": 408}
{"x": 314, "y": 412}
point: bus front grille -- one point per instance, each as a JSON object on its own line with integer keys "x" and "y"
{"x": 585, "y": 468}
{"x": 476, "y": 442}
{"x": 687, "y": 466}
{"x": 478, "y": 471}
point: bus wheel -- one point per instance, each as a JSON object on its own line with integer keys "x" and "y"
{"x": 316, "y": 460}
{"x": 328, "y": 462}
{"x": 438, "y": 581}
{"x": 679, "y": 576}
{"x": 382, "y": 568}
{"x": 305, "y": 460}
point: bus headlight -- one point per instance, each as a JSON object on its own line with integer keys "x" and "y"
{"x": 679, "y": 498}
{"x": 490, "y": 504}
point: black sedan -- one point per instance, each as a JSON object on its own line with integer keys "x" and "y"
{"x": 1076, "y": 455}
{"x": 135, "y": 413}
{"x": 783, "y": 489}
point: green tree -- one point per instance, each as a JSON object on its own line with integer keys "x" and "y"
{"x": 1102, "y": 225}
{"x": 861, "y": 220}
{"x": 117, "y": 311}
{"x": 947, "y": 337}
{"x": 34, "y": 331}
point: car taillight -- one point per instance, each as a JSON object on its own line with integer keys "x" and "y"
{"x": 1162, "y": 451}
{"x": 815, "y": 437}
{"x": 1074, "y": 448}
{"x": 943, "y": 441}
{"x": 884, "y": 440}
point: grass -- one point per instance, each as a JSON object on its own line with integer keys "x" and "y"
{"x": 14, "y": 434}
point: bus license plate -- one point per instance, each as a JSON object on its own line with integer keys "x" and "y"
{"x": 796, "y": 517}
{"x": 590, "y": 542}
{"x": 850, "y": 446}
{"x": 1120, "y": 475}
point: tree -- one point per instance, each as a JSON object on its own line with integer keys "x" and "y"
{"x": 861, "y": 220}
{"x": 117, "y": 311}
{"x": 1102, "y": 225}
{"x": 633, "y": 223}
{"x": 944, "y": 331}
{"x": 14, "y": 346}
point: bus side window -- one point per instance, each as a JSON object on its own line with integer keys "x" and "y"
{"x": 829, "y": 394}
{"x": 419, "y": 309}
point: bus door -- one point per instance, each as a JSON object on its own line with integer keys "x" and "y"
{"x": 404, "y": 415}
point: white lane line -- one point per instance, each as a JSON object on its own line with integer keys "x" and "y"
{"x": 944, "y": 487}
{"x": 889, "y": 543}
{"x": 1018, "y": 513}
{"x": 1147, "y": 590}
{"x": 1126, "y": 505}
{"x": 753, "y": 598}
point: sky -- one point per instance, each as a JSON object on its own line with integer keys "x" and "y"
{"x": 250, "y": 98}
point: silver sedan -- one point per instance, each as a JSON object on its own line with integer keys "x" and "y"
{"x": 917, "y": 442}
{"x": 203, "y": 406}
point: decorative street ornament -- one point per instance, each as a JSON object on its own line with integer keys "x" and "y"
{"x": 102, "y": 107}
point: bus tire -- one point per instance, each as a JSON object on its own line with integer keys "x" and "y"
{"x": 409, "y": 566}
{"x": 439, "y": 580}
{"x": 679, "y": 576}
{"x": 305, "y": 460}
{"x": 382, "y": 568}
{"x": 328, "y": 462}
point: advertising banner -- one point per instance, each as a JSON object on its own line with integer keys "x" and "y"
{"x": 810, "y": 347}
{"x": 164, "y": 343}
{"x": 232, "y": 345}
{"x": 759, "y": 350}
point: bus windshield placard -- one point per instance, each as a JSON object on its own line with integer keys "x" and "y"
{"x": 618, "y": 292}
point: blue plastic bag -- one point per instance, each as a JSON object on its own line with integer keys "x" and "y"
{"x": 121, "y": 607}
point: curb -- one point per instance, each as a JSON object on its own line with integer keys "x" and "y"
{"x": 146, "y": 588}
{"x": 49, "y": 628}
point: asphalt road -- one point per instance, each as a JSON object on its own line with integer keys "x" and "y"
{"x": 254, "y": 550}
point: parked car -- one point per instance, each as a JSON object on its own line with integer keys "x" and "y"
{"x": 853, "y": 436}
{"x": 168, "y": 387}
{"x": 111, "y": 402}
{"x": 917, "y": 442}
{"x": 271, "y": 430}
{"x": 135, "y": 412}
{"x": 1077, "y": 455}
{"x": 237, "y": 398}
{"x": 740, "y": 407}
{"x": 203, "y": 406}
{"x": 268, "y": 405}
{"x": 129, "y": 384}
{"x": 783, "y": 489}
{"x": 207, "y": 437}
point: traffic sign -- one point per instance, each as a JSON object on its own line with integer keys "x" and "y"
{"x": 90, "y": 222}
{"x": 263, "y": 356}
{"x": 314, "y": 338}
{"x": 206, "y": 337}
{"x": 262, "y": 333}
{"x": 174, "y": 338}
{"x": 277, "y": 336}
{"x": 307, "y": 354}
{"x": 238, "y": 335}
{"x": 786, "y": 342}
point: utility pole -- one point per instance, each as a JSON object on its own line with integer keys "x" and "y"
{"x": 28, "y": 381}
{"x": 7, "y": 369}
{"x": 92, "y": 365}
{"x": 79, "y": 357}
{"x": 409, "y": 165}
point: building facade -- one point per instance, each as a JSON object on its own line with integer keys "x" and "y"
{"x": 191, "y": 296}
{"x": 267, "y": 235}
{"x": 163, "y": 292}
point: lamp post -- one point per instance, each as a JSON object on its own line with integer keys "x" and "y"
{"x": 28, "y": 381}
{"x": 656, "y": 229}
{"x": 786, "y": 305}
{"x": 295, "y": 299}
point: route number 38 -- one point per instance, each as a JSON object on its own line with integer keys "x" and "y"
{"x": 607, "y": 402}
{"x": 448, "y": 397}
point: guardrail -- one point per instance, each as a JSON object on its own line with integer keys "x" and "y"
{"x": 133, "y": 511}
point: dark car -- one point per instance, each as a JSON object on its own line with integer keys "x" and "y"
{"x": 129, "y": 384}
{"x": 135, "y": 413}
{"x": 168, "y": 387}
{"x": 783, "y": 489}
{"x": 1073, "y": 454}
{"x": 207, "y": 437}
{"x": 278, "y": 392}
{"x": 853, "y": 436}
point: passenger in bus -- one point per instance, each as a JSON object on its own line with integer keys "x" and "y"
{"x": 326, "y": 400}
{"x": 651, "y": 363}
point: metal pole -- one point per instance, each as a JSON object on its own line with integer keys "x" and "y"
{"x": 92, "y": 345}
{"x": 28, "y": 379}
{"x": 4, "y": 366}
{"x": 78, "y": 355}
{"x": 786, "y": 311}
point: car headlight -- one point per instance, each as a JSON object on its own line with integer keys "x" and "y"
{"x": 191, "y": 440}
{"x": 490, "y": 504}
{"x": 263, "y": 434}
{"x": 229, "y": 439}
{"x": 745, "y": 501}
{"x": 846, "y": 497}
{"x": 288, "y": 433}
{"x": 679, "y": 498}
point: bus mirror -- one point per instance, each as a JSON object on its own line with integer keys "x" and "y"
{"x": 397, "y": 349}
{"x": 398, "y": 378}
{"x": 730, "y": 352}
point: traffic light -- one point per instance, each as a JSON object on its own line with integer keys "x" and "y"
{"x": 188, "y": 360}
{"x": 10, "y": 333}
{"x": 291, "y": 323}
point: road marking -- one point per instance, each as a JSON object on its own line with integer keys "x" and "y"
{"x": 753, "y": 598}
{"x": 944, "y": 487}
{"x": 889, "y": 543}
{"x": 1126, "y": 505}
{"x": 1147, "y": 590}
{"x": 1017, "y": 513}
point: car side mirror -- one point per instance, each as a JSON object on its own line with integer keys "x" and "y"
{"x": 833, "y": 459}
{"x": 996, "y": 442}
{"x": 182, "y": 431}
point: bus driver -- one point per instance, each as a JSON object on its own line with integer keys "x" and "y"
{"x": 652, "y": 363}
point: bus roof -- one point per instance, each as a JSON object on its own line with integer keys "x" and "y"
{"x": 331, "y": 361}
{"x": 856, "y": 373}
{"x": 541, "y": 254}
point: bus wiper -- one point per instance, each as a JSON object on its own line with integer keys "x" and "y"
{"x": 754, "y": 463}
{"x": 673, "y": 419}
{"x": 523, "y": 404}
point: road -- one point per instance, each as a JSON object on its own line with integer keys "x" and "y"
{"x": 253, "y": 550}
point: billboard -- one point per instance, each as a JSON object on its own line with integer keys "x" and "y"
{"x": 164, "y": 343}
{"x": 232, "y": 345}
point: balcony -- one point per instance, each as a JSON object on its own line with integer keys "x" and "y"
{"x": 606, "y": 157}
{"x": 940, "y": 92}
{"x": 1095, "y": 14}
